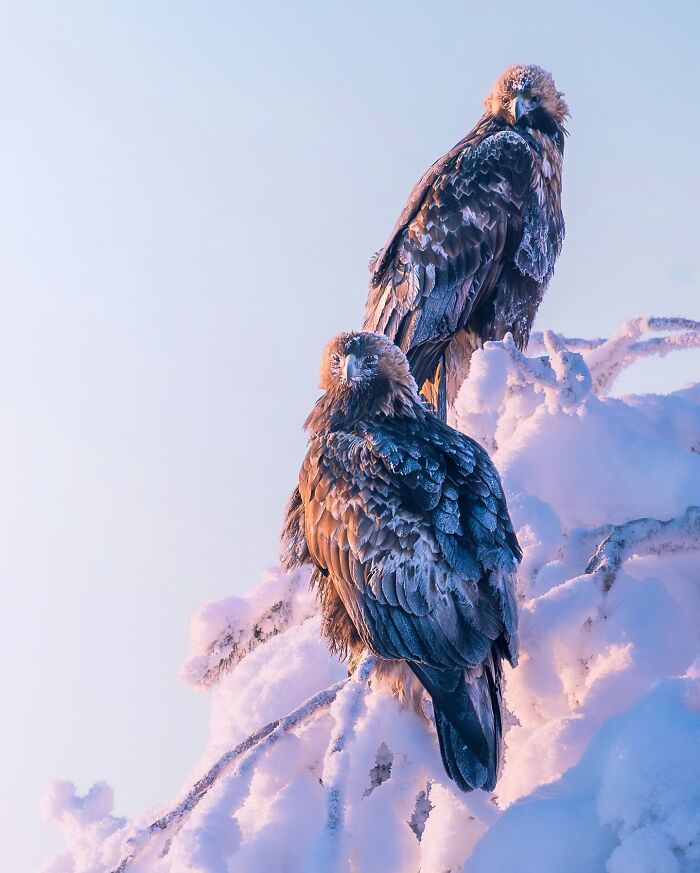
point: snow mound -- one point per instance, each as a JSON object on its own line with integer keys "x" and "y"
{"x": 309, "y": 770}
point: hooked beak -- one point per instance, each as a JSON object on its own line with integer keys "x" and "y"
{"x": 518, "y": 107}
{"x": 350, "y": 367}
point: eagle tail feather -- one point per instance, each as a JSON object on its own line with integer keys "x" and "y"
{"x": 468, "y": 721}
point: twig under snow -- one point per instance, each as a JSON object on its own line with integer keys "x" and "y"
{"x": 326, "y": 854}
{"x": 606, "y": 361}
{"x": 536, "y": 345}
{"x": 561, "y": 374}
{"x": 535, "y": 370}
{"x": 248, "y": 622}
{"x": 257, "y": 743}
{"x": 644, "y": 536}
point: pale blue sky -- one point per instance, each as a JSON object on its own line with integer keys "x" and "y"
{"x": 189, "y": 194}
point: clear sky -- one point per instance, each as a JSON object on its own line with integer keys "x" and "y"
{"x": 189, "y": 194}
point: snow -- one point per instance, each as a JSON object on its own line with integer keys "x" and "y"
{"x": 307, "y": 770}
{"x": 630, "y": 805}
{"x": 223, "y": 632}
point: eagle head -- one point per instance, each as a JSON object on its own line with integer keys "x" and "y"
{"x": 526, "y": 96}
{"x": 365, "y": 374}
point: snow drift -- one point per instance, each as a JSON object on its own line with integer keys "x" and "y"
{"x": 307, "y": 769}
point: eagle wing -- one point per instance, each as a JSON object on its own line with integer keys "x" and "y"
{"x": 378, "y": 262}
{"x": 462, "y": 223}
{"x": 410, "y": 523}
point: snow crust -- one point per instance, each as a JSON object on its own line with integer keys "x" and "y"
{"x": 307, "y": 770}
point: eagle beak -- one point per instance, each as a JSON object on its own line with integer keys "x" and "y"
{"x": 349, "y": 367}
{"x": 518, "y": 107}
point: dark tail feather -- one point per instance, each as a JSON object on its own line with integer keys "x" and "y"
{"x": 468, "y": 721}
{"x": 460, "y": 762}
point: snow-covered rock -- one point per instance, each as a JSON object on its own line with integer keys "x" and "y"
{"x": 309, "y": 770}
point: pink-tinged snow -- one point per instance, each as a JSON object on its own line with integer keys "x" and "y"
{"x": 602, "y": 765}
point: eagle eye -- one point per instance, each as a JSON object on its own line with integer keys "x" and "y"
{"x": 371, "y": 359}
{"x": 505, "y": 101}
{"x": 535, "y": 98}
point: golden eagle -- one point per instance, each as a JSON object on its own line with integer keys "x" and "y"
{"x": 472, "y": 252}
{"x": 405, "y": 524}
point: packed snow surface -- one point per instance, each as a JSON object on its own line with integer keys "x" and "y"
{"x": 307, "y": 770}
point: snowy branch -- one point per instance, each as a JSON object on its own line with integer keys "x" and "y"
{"x": 607, "y": 360}
{"x": 224, "y": 632}
{"x": 535, "y": 370}
{"x": 561, "y": 374}
{"x": 246, "y": 753}
{"x": 560, "y": 371}
{"x": 326, "y": 853}
{"x": 537, "y": 345}
{"x": 644, "y": 536}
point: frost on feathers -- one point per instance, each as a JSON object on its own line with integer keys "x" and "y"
{"x": 601, "y": 766}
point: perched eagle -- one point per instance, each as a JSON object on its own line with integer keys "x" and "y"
{"x": 406, "y": 526}
{"x": 472, "y": 252}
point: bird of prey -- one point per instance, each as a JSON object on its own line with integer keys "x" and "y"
{"x": 405, "y": 525}
{"x": 471, "y": 254}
